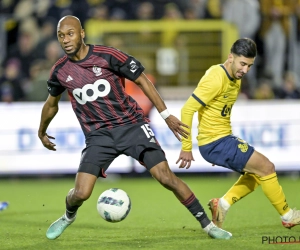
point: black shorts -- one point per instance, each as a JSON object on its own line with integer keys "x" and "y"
{"x": 104, "y": 145}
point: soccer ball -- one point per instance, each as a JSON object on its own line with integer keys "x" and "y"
{"x": 113, "y": 205}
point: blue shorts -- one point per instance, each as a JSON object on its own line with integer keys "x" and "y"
{"x": 229, "y": 152}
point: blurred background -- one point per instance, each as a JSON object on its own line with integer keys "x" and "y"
{"x": 176, "y": 41}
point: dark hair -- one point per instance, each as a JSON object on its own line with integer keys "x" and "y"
{"x": 244, "y": 47}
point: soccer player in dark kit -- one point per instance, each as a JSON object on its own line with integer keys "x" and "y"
{"x": 112, "y": 121}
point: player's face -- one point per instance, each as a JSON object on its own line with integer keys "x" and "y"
{"x": 70, "y": 37}
{"x": 240, "y": 66}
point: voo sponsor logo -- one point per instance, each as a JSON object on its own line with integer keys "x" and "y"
{"x": 90, "y": 92}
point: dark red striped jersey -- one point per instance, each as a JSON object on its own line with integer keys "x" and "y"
{"x": 96, "y": 87}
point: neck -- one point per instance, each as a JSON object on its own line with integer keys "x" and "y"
{"x": 81, "y": 54}
{"x": 227, "y": 66}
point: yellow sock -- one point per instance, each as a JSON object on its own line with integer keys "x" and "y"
{"x": 274, "y": 193}
{"x": 246, "y": 184}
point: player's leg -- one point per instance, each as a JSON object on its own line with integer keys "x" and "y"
{"x": 96, "y": 158}
{"x": 233, "y": 153}
{"x": 84, "y": 184}
{"x": 246, "y": 184}
{"x": 260, "y": 165}
{"x": 141, "y": 144}
{"x": 163, "y": 174}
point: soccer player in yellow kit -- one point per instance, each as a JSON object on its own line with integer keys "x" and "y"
{"x": 213, "y": 99}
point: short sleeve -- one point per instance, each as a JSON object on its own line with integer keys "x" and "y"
{"x": 125, "y": 65}
{"x": 132, "y": 69}
{"x": 54, "y": 87}
{"x": 208, "y": 88}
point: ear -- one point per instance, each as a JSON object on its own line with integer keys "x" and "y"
{"x": 82, "y": 33}
{"x": 230, "y": 57}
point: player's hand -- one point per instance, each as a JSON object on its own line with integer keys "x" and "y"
{"x": 185, "y": 159}
{"x": 176, "y": 126}
{"x": 47, "y": 143}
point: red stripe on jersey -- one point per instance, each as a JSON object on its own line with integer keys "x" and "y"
{"x": 120, "y": 56}
{"x": 82, "y": 120}
{"x": 57, "y": 63}
{"x": 121, "y": 103}
{"x": 112, "y": 110}
{"x": 102, "y": 116}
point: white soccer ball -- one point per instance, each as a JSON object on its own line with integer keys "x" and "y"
{"x": 113, "y": 205}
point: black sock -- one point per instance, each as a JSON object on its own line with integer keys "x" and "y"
{"x": 71, "y": 210}
{"x": 194, "y": 206}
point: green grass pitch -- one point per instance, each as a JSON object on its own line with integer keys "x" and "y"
{"x": 156, "y": 221}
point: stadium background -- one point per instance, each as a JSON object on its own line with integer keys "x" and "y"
{"x": 176, "y": 41}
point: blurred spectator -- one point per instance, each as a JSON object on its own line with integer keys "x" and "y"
{"x": 213, "y": 9}
{"x": 236, "y": 12}
{"x": 7, "y": 6}
{"x": 52, "y": 53}
{"x": 117, "y": 14}
{"x": 11, "y": 82}
{"x": 274, "y": 32}
{"x": 145, "y": 11}
{"x": 30, "y": 26}
{"x": 59, "y": 8}
{"x": 36, "y": 87}
{"x": 25, "y": 49}
{"x": 190, "y": 14}
{"x": 30, "y": 8}
{"x": 115, "y": 41}
{"x": 171, "y": 13}
{"x": 289, "y": 90}
{"x": 47, "y": 33}
{"x": 36, "y": 90}
{"x": 264, "y": 90}
{"x": 93, "y": 26}
{"x": 127, "y": 7}
{"x": 195, "y": 9}
{"x": 78, "y": 8}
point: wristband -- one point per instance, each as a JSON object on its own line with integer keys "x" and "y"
{"x": 165, "y": 114}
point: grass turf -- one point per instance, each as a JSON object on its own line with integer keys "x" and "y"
{"x": 156, "y": 221}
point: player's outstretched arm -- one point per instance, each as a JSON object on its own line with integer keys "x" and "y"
{"x": 185, "y": 159}
{"x": 49, "y": 110}
{"x": 176, "y": 126}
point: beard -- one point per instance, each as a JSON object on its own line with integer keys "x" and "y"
{"x": 76, "y": 49}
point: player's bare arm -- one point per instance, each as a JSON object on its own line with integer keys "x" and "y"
{"x": 49, "y": 110}
{"x": 185, "y": 159}
{"x": 150, "y": 91}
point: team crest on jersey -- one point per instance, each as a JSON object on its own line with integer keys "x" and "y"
{"x": 97, "y": 70}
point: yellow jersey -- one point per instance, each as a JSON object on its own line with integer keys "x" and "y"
{"x": 213, "y": 99}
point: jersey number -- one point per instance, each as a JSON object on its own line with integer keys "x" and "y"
{"x": 91, "y": 92}
{"x": 148, "y": 131}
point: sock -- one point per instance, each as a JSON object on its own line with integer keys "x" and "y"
{"x": 209, "y": 226}
{"x": 274, "y": 193}
{"x": 194, "y": 206}
{"x": 224, "y": 203}
{"x": 71, "y": 210}
{"x": 246, "y": 184}
{"x": 287, "y": 216}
